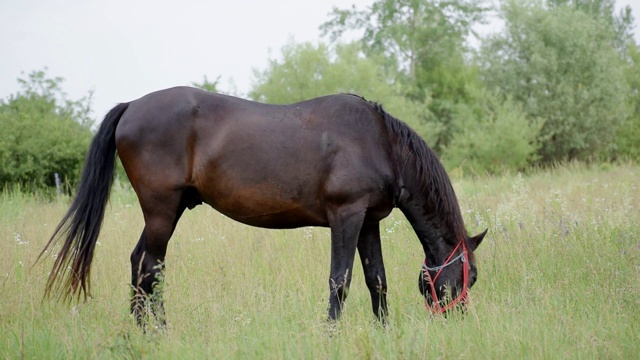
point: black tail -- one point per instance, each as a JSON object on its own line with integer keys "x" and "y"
{"x": 81, "y": 225}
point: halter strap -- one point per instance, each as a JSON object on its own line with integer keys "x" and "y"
{"x": 464, "y": 257}
{"x": 438, "y": 268}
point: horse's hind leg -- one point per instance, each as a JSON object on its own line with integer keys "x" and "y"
{"x": 161, "y": 214}
{"x": 370, "y": 251}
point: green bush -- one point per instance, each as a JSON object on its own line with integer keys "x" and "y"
{"x": 42, "y": 134}
{"x": 498, "y": 136}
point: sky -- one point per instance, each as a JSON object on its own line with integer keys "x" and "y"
{"x": 123, "y": 49}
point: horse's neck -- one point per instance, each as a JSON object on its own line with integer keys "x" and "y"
{"x": 424, "y": 193}
{"x": 426, "y": 216}
{"x": 425, "y": 220}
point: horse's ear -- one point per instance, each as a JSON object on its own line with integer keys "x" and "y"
{"x": 476, "y": 240}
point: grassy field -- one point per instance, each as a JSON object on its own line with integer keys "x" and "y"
{"x": 559, "y": 277}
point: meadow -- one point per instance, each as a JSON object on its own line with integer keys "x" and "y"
{"x": 559, "y": 277}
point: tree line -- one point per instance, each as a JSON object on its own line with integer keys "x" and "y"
{"x": 559, "y": 82}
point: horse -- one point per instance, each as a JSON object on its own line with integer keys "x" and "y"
{"x": 336, "y": 161}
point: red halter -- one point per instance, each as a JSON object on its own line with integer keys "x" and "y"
{"x": 464, "y": 257}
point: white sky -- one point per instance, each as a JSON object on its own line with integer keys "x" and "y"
{"x": 123, "y": 49}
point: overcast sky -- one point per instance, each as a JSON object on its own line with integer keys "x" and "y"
{"x": 123, "y": 49}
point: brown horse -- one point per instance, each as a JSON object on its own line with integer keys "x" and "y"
{"x": 336, "y": 161}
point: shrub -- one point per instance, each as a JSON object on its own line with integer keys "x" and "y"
{"x": 43, "y": 133}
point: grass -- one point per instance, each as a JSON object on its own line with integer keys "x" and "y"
{"x": 559, "y": 277}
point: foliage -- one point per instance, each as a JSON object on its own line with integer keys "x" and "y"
{"x": 556, "y": 76}
{"x": 307, "y": 71}
{"x": 211, "y": 86}
{"x": 628, "y": 136}
{"x": 424, "y": 42}
{"x": 407, "y": 31}
{"x": 621, "y": 24}
{"x": 42, "y": 133}
{"x": 562, "y": 66}
{"x": 299, "y": 76}
{"x": 500, "y": 138}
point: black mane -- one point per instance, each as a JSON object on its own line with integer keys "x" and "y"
{"x": 418, "y": 160}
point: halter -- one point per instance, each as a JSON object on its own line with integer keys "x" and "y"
{"x": 464, "y": 257}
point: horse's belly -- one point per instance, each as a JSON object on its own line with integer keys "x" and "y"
{"x": 264, "y": 205}
{"x": 287, "y": 219}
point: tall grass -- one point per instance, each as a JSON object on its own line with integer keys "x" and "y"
{"x": 559, "y": 277}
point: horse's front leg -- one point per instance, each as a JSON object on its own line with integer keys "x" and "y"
{"x": 370, "y": 251}
{"x": 345, "y": 225}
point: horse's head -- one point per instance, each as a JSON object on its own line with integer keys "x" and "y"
{"x": 445, "y": 286}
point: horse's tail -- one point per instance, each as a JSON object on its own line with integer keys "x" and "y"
{"x": 80, "y": 227}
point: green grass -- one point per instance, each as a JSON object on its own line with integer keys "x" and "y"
{"x": 559, "y": 277}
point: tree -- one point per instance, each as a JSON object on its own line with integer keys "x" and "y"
{"x": 42, "y": 133}
{"x": 307, "y": 71}
{"x": 490, "y": 135}
{"x": 497, "y": 137}
{"x": 621, "y": 24}
{"x": 300, "y": 75}
{"x": 423, "y": 41}
{"x": 628, "y": 136}
{"x": 211, "y": 86}
{"x": 407, "y": 31}
{"x": 561, "y": 65}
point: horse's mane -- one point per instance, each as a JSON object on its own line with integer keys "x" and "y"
{"x": 416, "y": 159}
